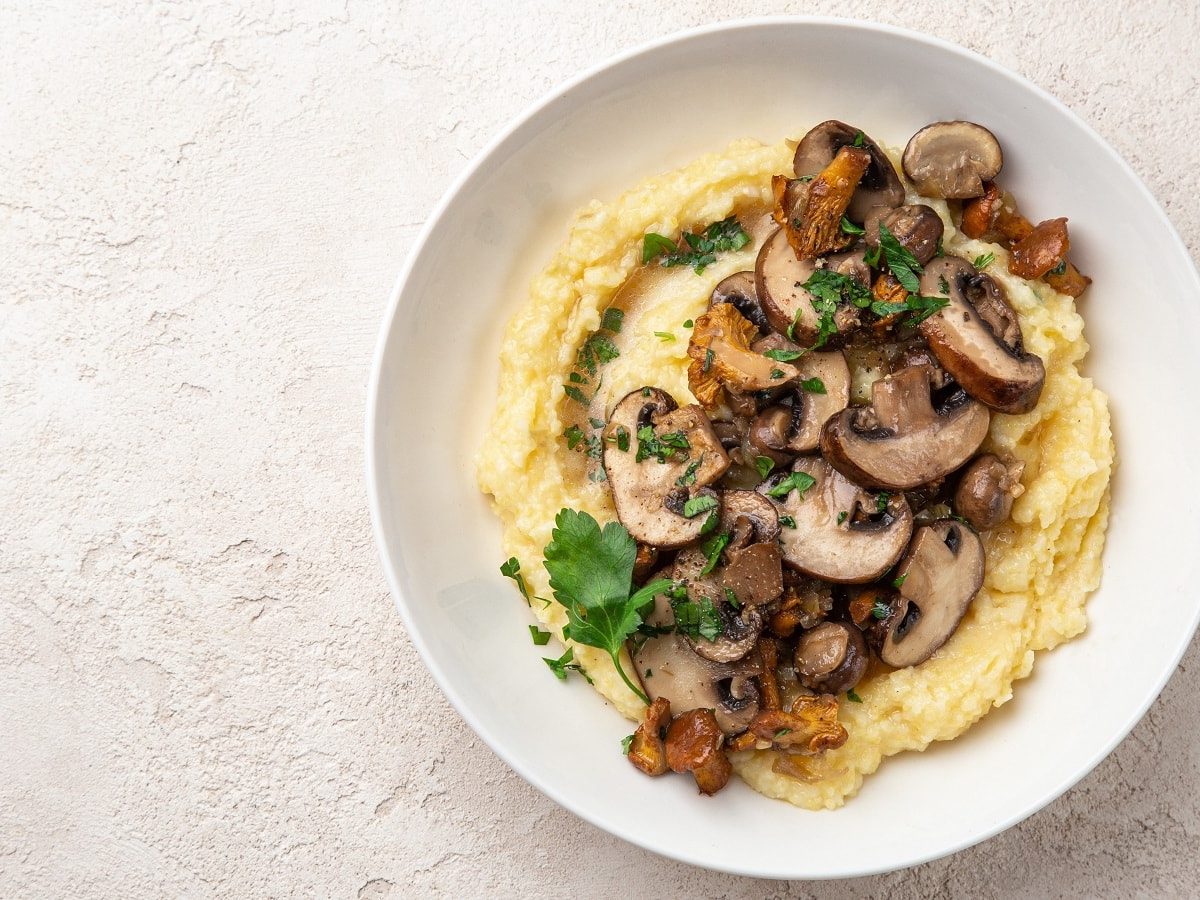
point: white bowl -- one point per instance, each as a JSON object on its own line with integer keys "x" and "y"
{"x": 653, "y": 109}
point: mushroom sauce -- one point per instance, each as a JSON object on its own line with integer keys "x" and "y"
{"x": 826, "y": 397}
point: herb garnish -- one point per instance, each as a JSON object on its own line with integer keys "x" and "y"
{"x": 559, "y": 666}
{"x": 512, "y": 569}
{"x": 540, "y": 638}
{"x": 621, "y": 438}
{"x": 813, "y": 385}
{"x": 764, "y": 464}
{"x": 575, "y": 394}
{"x": 983, "y": 260}
{"x": 795, "y": 481}
{"x": 709, "y": 356}
{"x": 842, "y": 516}
{"x": 787, "y": 521}
{"x": 899, "y": 580}
{"x": 881, "y": 501}
{"x": 900, "y": 260}
{"x": 727, "y": 234}
{"x": 697, "y": 619}
{"x": 664, "y": 336}
{"x": 701, "y": 503}
{"x": 731, "y": 598}
{"x": 853, "y": 697}
{"x": 712, "y": 548}
{"x": 943, "y": 285}
{"x": 591, "y": 573}
{"x": 688, "y": 477}
{"x": 663, "y": 446}
{"x": 573, "y": 434}
{"x": 849, "y": 227}
{"x": 776, "y": 374}
{"x": 626, "y": 743}
{"x": 1060, "y": 269}
{"x": 860, "y": 139}
{"x": 783, "y": 355}
{"x": 612, "y": 319}
{"x": 880, "y": 610}
{"x": 688, "y": 323}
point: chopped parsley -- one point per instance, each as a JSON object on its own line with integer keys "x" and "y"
{"x": 853, "y": 697}
{"x": 943, "y": 285}
{"x": 880, "y": 610}
{"x": 596, "y": 349}
{"x": 983, "y": 260}
{"x": 813, "y": 385}
{"x": 900, "y": 260}
{"x": 731, "y": 598}
{"x": 699, "y": 504}
{"x": 612, "y": 320}
{"x": 620, "y": 438}
{"x": 575, "y": 394}
{"x": 795, "y": 481}
{"x": 899, "y": 580}
{"x": 573, "y": 434}
{"x": 842, "y": 517}
{"x": 860, "y": 139}
{"x": 849, "y": 227}
{"x": 776, "y": 374}
{"x": 664, "y": 336}
{"x": 662, "y": 446}
{"x": 512, "y": 569}
{"x": 688, "y": 477}
{"x": 1060, "y": 269}
{"x": 702, "y": 249}
{"x": 626, "y": 743}
{"x": 709, "y": 356}
{"x": 697, "y": 619}
{"x": 781, "y": 732}
{"x": 871, "y": 257}
{"x": 787, "y": 521}
{"x": 783, "y": 355}
{"x": 576, "y": 378}
{"x": 764, "y": 464}
{"x": 881, "y": 501}
{"x": 563, "y": 664}
{"x": 712, "y": 548}
{"x": 939, "y": 251}
{"x": 540, "y": 638}
{"x": 688, "y": 323}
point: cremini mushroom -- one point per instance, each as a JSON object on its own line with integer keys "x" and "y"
{"x": 902, "y": 440}
{"x": 831, "y": 658}
{"x": 938, "y": 578}
{"x": 722, "y": 358}
{"x": 952, "y": 160}
{"x": 986, "y": 491}
{"x": 977, "y": 337}
{"x": 880, "y": 185}
{"x": 780, "y": 277}
{"x": 918, "y": 228}
{"x": 753, "y": 571}
{"x": 739, "y": 290}
{"x": 650, "y": 447}
{"x": 841, "y": 532}
{"x": 820, "y": 390}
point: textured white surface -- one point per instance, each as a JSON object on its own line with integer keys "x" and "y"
{"x": 206, "y": 689}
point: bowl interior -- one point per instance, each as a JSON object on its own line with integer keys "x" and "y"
{"x": 655, "y": 109}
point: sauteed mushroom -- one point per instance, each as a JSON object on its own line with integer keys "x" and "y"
{"x": 952, "y": 159}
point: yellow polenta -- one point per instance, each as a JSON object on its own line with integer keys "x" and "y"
{"x": 1041, "y": 566}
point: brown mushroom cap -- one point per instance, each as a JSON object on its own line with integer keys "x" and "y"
{"x": 880, "y": 185}
{"x": 779, "y": 280}
{"x": 809, "y": 409}
{"x": 901, "y": 440}
{"x": 986, "y": 491}
{"x": 739, "y": 290}
{"x": 977, "y": 338}
{"x": 831, "y": 540}
{"x": 939, "y": 577}
{"x": 690, "y": 681}
{"x": 646, "y": 494}
{"x": 917, "y": 227}
{"x": 952, "y": 159}
{"x": 831, "y": 658}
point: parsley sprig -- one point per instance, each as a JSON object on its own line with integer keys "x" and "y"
{"x": 591, "y": 574}
{"x": 718, "y": 237}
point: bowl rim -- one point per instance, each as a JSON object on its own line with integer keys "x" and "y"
{"x": 372, "y": 463}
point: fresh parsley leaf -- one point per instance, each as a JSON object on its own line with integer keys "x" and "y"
{"x": 921, "y": 308}
{"x": 626, "y": 743}
{"x": 795, "y": 481}
{"x": 620, "y": 437}
{"x": 664, "y": 336}
{"x": 783, "y": 355}
{"x": 559, "y": 666}
{"x": 688, "y": 478}
{"x": 710, "y": 523}
{"x": 595, "y": 423}
{"x": 575, "y": 394}
{"x": 576, "y": 378}
{"x": 983, "y": 260}
{"x": 860, "y": 139}
{"x": 872, "y": 256}
{"x": 853, "y": 697}
{"x": 540, "y": 638}
{"x": 776, "y": 374}
{"x": 834, "y": 287}
{"x": 939, "y": 251}
{"x": 591, "y": 572}
{"x": 605, "y": 349}
{"x": 511, "y": 568}
{"x": 849, "y": 227}
{"x": 880, "y": 610}
{"x": 881, "y": 501}
{"x": 573, "y": 434}
{"x": 662, "y": 446}
{"x": 727, "y": 234}
{"x": 709, "y": 356}
{"x": 688, "y": 323}
{"x": 657, "y": 245}
{"x": 787, "y": 521}
{"x": 595, "y": 446}
{"x": 597, "y": 475}
{"x": 701, "y": 503}
{"x": 899, "y": 580}
{"x": 764, "y": 464}
{"x": 731, "y": 598}
{"x": 943, "y": 285}
{"x": 781, "y": 732}
{"x": 697, "y": 619}
{"x": 813, "y": 385}
{"x": 842, "y": 517}
{"x": 612, "y": 319}
{"x": 712, "y": 548}
{"x": 900, "y": 260}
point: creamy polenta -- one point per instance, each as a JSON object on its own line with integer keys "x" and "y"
{"x": 1040, "y": 565}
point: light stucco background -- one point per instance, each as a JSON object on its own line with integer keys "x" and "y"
{"x": 204, "y": 687}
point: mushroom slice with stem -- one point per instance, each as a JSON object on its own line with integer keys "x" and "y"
{"x": 952, "y": 160}
{"x": 918, "y": 228}
{"x": 938, "y": 578}
{"x": 739, "y": 290}
{"x": 901, "y": 440}
{"x": 977, "y": 338}
{"x": 753, "y": 571}
{"x": 821, "y": 390}
{"x": 831, "y": 658}
{"x": 658, "y": 456}
{"x": 986, "y": 491}
{"x": 842, "y": 533}
{"x": 780, "y": 277}
{"x": 722, "y": 358}
{"x": 880, "y": 185}
{"x": 669, "y": 667}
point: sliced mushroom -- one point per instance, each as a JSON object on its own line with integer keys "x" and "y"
{"x": 646, "y": 492}
{"x": 832, "y": 658}
{"x": 739, "y": 290}
{"x": 902, "y": 440}
{"x": 827, "y": 376}
{"x": 918, "y": 228}
{"x": 986, "y": 492}
{"x": 779, "y": 279}
{"x": 669, "y": 667}
{"x": 977, "y": 338}
{"x": 752, "y": 510}
{"x": 952, "y": 159}
{"x": 939, "y": 577}
{"x": 739, "y": 634}
{"x": 842, "y": 533}
{"x": 880, "y": 186}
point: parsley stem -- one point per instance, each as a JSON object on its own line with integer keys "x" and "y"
{"x": 616, "y": 658}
